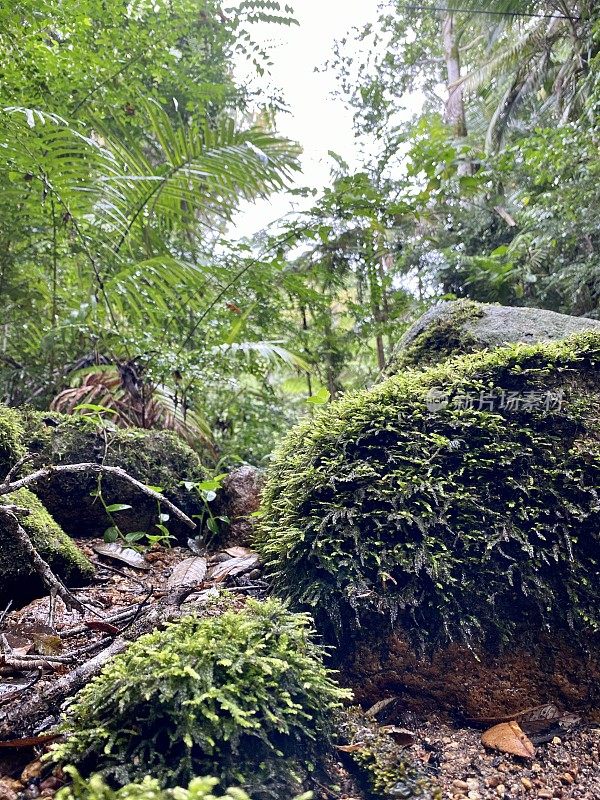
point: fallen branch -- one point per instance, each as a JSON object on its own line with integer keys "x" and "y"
{"x": 46, "y": 472}
{"x": 23, "y": 719}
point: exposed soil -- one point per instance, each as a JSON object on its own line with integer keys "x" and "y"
{"x": 457, "y": 680}
{"x": 567, "y": 767}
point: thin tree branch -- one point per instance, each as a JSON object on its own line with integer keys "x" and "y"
{"x": 92, "y": 467}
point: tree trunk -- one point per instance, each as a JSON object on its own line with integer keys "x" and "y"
{"x": 455, "y": 105}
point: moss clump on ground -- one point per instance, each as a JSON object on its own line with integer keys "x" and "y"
{"x": 421, "y": 504}
{"x": 18, "y": 580}
{"x": 386, "y": 768}
{"x": 157, "y": 458}
{"x": 243, "y": 696}
{"x": 96, "y": 788}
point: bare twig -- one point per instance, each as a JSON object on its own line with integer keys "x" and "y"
{"x": 92, "y": 467}
{"x": 23, "y": 720}
{"x": 15, "y": 468}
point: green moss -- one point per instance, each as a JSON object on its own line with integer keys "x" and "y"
{"x": 243, "y": 696}
{"x": 17, "y": 577}
{"x": 157, "y": 458}
{"x": 96, "y": 788}
{"x": 11, "y": 439}
{"x": 387, "y": 769}
{"x": 458, "y": 523}
{"x": 446, "y": 336}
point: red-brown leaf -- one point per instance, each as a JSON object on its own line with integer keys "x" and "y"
{"x": 508, "y": 737}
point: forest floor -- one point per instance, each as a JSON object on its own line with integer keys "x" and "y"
{"x": 565, "y": 766}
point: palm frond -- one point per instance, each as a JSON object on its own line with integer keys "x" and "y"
{"x": 267, "y": 350}
{"x": 195, "y": 173}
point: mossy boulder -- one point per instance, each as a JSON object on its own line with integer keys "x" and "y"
{"x": 458, "y": 504}
{"x": 243, "y": 696}
{"x": 464, "y": 326}
{"x": 11, "y": 439}
{"x": 156, "y": 458}
{"x": 18, "y": 581}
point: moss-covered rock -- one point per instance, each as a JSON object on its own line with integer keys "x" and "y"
{"x": 11, "y": 439}
{"x": 18, "y": 581}
{"x": 458, "y": 503}
{"x": 157, "y": 458}
{"x": 243, "y": 696}
{"x": 464, "y": 326}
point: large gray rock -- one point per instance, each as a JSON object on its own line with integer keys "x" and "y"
{"x": 464, "y": 326}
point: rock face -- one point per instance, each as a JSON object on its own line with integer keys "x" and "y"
{"x": 18, "y": 581}
{"x": 157, "y": 458}
{"x": 241, "y": 498}
{"x": 464, "y": 326}
{"x": 451, "y": 507}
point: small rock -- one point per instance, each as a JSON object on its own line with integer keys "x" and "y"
{"x": 462, "y": 785}
{"x": 501, "y": 790}
{"x": 556, "y": 740}
{"x": 567, "y": 778}
{"x": 527, "y": 783}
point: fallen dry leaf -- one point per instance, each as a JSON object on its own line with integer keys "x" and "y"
{"x": 401, "y": 736}
{"x": 234, "y": 566}
{"x": 508, "y": 737}
{"x": 349, "y": 748}
{"x": 534, "y": 716}
{"x": 100, "y": 625}
{"x": 239, "y": 552}
{"x": 31, "y": 741}
{"x": 125, "y": 554}
{"x": 189, "y": 572}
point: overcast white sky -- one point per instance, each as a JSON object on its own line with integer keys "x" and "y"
{"x": 317, "y": 120}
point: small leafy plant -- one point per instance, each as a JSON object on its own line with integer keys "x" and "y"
{"x": 243, "y": 696}
{"x": 208, "y": 491}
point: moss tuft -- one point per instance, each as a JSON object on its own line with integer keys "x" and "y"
{"x": 447, "y": 335}
{"x": 455, "y": 522}
{"x": 96, "y": 788}
{"x": 63, "y": 556}
{"x": 243, "y": 696}
{"x": 385, "y": 766}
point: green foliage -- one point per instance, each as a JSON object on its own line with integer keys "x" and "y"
{"x": 149, "y": 789}
{"x": 461, "y": 521}
{"x": 243, "y": 696}
{"x": 11, "y": 439}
